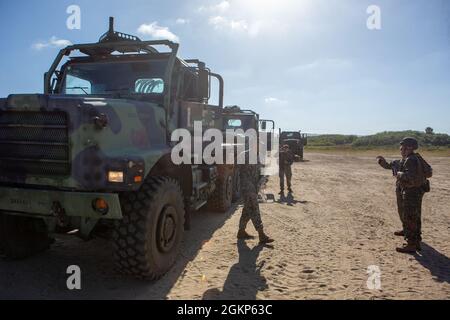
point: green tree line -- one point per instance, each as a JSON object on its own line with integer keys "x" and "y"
{"x": 382, "y": 139}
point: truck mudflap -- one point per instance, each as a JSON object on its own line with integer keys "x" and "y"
{"x": 45, "y": 203}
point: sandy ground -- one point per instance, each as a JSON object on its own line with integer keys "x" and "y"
{"x": 340, "y": 222}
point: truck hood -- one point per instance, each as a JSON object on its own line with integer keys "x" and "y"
{"x": 133, "y": 131}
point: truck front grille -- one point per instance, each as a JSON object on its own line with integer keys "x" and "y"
{"x": 34, "y": 143}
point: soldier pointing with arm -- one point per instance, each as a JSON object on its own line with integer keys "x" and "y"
{"x": 411, "y": 173}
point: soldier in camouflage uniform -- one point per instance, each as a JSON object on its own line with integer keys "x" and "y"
{"x": 410, "y": 191}
{"x": 250, "y": 177}
{"x": 286, "y": 159}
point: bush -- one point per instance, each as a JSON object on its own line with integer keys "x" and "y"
{"x": 386, "y": 139}
{"x": 383, "y": 139}
{"x": 331, "y": 140}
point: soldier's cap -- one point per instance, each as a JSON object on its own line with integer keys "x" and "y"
{"x": 410, "y": 142}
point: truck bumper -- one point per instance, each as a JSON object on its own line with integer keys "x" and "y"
{"x": 42, "y": 203}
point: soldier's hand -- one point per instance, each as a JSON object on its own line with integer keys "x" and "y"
{"x": 381, "y": 160}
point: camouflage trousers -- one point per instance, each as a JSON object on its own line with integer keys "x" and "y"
{"x": 286, "y": 171}
{"x": 251, "y": 212}
{"x": 409, "y": 203}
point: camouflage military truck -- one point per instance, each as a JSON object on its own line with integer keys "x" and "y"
{"x": 235, "y": 118}
{"x": 296, "y": 142}
{"x": 93, "y": 152}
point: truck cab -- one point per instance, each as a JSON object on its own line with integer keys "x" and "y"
{"x": 94, "y": 151}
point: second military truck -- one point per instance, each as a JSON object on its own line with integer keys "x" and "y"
{"x": 296, "y": 142}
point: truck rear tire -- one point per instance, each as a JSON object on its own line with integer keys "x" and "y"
{"x": 236, "y": 185}
{"x": 148, "y": 238}
{"x": 301, "y": 154}
{"x": 220, "y": 201}
{"x": 23, "y": 237}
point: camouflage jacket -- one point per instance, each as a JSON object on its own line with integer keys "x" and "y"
{"x": 286, "y": 159}
{"x": 410, "y": 174}
{"x": 250, "y": 177}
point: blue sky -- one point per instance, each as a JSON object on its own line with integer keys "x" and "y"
{"x": 308, "y": 64}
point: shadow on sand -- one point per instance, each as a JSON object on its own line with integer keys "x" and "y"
{"x": 436, "y": 262}
{"x": 44, "y": 276}
{"x": 289, "y": 200}
{"x": 244, "y": 280}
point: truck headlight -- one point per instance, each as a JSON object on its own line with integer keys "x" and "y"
{"x": 115, "y": 176}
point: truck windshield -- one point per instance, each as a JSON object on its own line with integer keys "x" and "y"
{"x": 245, "y": 123}
{"x": 141, "y": 77}
{"x": 290, "y": 135}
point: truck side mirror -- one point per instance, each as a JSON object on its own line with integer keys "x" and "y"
{"x": 264, "y": 125}
{"x": 203, "y": 83}
{"x": 269, "y": 141}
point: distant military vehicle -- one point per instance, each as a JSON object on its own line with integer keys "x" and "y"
{"x": 94, "y": 152}
{"x": 296, "y": 142}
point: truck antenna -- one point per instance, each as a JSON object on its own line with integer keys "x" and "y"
{"x": 113, "y": 36}
{"x": 111, "y": 25}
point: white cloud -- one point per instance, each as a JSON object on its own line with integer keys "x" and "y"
{"x": 223, "y": 6}
{"x": 238, "y": 25}
{"x": 275, "y": 101}
{"x": 222, "y": 17}
{"x": 54, "y": 42}
{"x": 40, "y": 45}
{"x": 182, "y": 21}
{"x": 220, "y": 22}
{"x": 220, "y": 7}
{"x": 217, "y": 21}
{"x": 158, "y": 32}
{"x": 224, "y": 23}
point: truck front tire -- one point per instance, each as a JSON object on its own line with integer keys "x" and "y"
{"x": 148, "y": 238}
{"x": 301, "y": 154}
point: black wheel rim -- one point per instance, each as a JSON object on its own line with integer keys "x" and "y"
{"x": 237, "y": 183}
{"x": 167, "y": 229}
{"x": 229, "y": 187}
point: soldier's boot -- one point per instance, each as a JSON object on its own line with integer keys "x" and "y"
{"x": 418, "y": 246}
{"x": 410, "y": 248}
{"x": 290, "y": 190}
{"x": 263, "y": 238}
{"x": 243, "y": 235}
{"x": 399, "y": 233}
